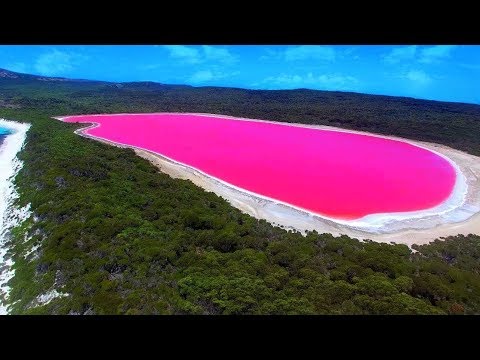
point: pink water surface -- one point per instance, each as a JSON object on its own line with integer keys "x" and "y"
{"x": 331, "y": 173}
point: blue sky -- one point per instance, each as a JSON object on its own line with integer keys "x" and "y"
{"x": 442, "y": 72}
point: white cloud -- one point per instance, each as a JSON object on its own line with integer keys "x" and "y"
{"x": 418, "y": 77}
{"x": 192, "y": 55}
{"x": 270, "y": 54}
{"x": 204, "y": 76}
{"x": 301, "y": 52}
{"x": 425, "y": 55}
{"x": 401, "y": 54}
{"x": 315, "y": 52}
{"x": 186, "y": 54}
{"x": 285, "y": 80}
{"x": 324, "y": 81}
{"x": 338, "y": 81}
{"x": 218, "y": 54}
{"x": 436, "y": 53}
{"x": 17, "y": 67}
{"x": 349, "y": 53}
{"x": 57, "y": 62}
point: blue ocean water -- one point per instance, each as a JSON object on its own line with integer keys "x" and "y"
{"x": 3, "y": 133}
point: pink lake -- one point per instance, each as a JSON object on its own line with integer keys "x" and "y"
{"x": 331, "y": 173}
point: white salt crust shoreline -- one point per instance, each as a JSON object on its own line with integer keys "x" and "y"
{"x": 457, "y": 212}
{"x": 10, "y": 216}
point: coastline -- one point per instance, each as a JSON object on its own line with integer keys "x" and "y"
{"x": 10, "y": 216}
{"x": 460, "y": 207}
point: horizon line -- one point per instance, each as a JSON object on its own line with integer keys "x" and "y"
{"x": 241, "y": 88}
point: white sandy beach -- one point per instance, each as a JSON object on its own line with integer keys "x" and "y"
{"x": 458, "y": 215}
{"x": 9, "y": 215}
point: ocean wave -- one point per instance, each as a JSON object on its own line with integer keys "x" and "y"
{"x": 10, "y": 215}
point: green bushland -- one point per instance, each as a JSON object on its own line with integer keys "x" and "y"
{"x": 121, "y": 238}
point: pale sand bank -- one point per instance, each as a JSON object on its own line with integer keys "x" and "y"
{"x": 465, "y": 219}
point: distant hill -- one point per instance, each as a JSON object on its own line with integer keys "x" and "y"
{"x": 12, "y": 75}
{"x": 453, "y": 124}
{"x": 7, "y": 74}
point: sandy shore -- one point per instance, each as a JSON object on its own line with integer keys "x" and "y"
{"x": 465, "y": 219}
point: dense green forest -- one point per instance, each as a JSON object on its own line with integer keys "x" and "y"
{"x": 119, "y": 237}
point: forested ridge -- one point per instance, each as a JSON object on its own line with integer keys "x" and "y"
{"x": 119, "y": 237}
